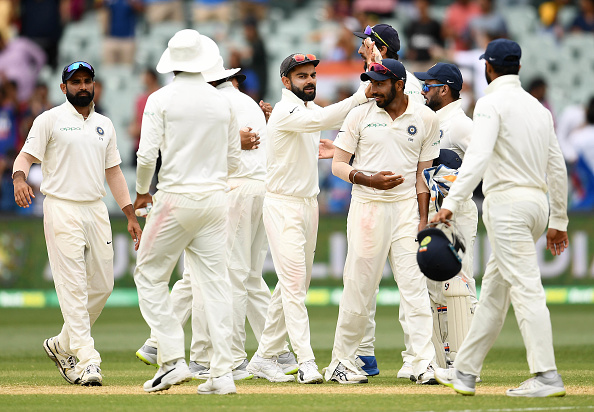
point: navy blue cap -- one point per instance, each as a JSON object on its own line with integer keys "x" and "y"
{"x": 445, "y": 73}
{"x": 503, "y": 52}
{"x": 291, "y": 62}
{"x": 448, "y": 158}
{"x": 382, "y": 35}
{"x": 437, "y": 256}
{"x": 395, "y": 71}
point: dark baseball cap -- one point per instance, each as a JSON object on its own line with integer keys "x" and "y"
{"x": 72, "y": 68}
{"x": 381, "y": 34}
{"x": 377, "y": 71}
{"x": 503, "y": 52}
{"x": 445, "y": 73}
{"x": 296, "y": 59}
{"x": 437, "y": 255}
{"x": 448, "y": 158}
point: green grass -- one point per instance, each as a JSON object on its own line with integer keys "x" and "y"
{"x": 119, "y": 332}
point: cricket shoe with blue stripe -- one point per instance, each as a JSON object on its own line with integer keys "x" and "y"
{"x": 346, "y": 376}
{"x": 91, "y": 376}
{"x": 65, "y": 362}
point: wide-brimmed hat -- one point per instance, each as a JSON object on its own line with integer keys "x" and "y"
{"x": 189, "y": 51}
{"x": 218, "y": 72}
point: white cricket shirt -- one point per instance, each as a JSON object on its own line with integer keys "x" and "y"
{"x": 455, "y": 128}
{"x": 194, "y": 127}
{"x": 294, "y": 142}
{"x": 513, "y": 144}
{"x": 382, "y": 144}
{"x": 74, "y": 152}
{"x": 249, "y": 114}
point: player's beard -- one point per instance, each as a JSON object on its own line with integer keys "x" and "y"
{"x": 389, "y": 98}
{"x": 434, "y": 104}
{"x": 302, "y": 94}
{"x": 81, "y": 99}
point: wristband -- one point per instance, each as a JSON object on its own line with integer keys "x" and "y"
{"x": 355, "y": 174}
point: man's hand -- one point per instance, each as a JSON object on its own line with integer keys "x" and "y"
{"x": 385, "y": 180}
{"x": 557, "y": 241}
{"x": 22, "y": 191}
{"x": 249, "y": 140}
{"x": 142, "y": 200}
{"x": 370, "y": 52}
{"x": 266, "y": 109}
{"x": 442, "y": 216}
{"x": 326, "y": 149}
{"x": 133, "y": 226}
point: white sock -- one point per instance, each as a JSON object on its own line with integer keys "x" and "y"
{"x": 548, "y": 374}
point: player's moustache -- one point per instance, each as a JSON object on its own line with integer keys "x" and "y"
{"x": 81, "y": 99}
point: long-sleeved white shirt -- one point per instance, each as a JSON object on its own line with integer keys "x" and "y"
{"x": 249, "y": 114}
{"x": 294, "y": 139}
{"x": 455, "y": 128}
{"x": 194, "y": 127}
{"x": 513, "y": 145}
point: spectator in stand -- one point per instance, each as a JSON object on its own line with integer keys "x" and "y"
{"x": 582, "y": 176}
{"x": 7, "y": 15}
{"x": 424, "y": 34}
{"x": 98, "y": 94}
{"x": 253, "y": 8}
{"x": 21, "y": 60}
{"x": 255, "y": 59}
{"x": 38, "y": 103}
{"x": 209, "y": 10}
{"x": 119, "y": 43}
{"x": 41, "y": 22}
{"x": 455, "y": 24}
{"x": 584, "y": 21}
{"x": 538, "y": 89}
{"x": 158, "y": 11}
{"x": 383, "y": 9}
{"x": 150, "y": 79}
{"x": 489, "y": 21}
{"x": 549, "y": 13}
{"x": 9, "y": 142}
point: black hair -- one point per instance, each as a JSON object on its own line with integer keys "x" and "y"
{"x": 455, "y": 93}
{"x": 590, "y": 112}
{"x": 391, "y": 54}
{"x": 505, "y": 70}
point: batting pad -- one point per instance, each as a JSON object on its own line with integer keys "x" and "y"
{"x": 457, "y": 296}
{"x": 439, "y": 335}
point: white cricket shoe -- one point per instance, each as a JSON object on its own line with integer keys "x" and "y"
{"x": 539, "y": 387}
{"x": 406, "y": 372}
{"x": 344, "y": 375}
{"x": 91, "y": 376}
{"x": 452, "y": 378}
{"x": 268, "y": 368}
{"x": 240, "y": 373}
{"x": 308, "y": 373}
{"x": 223, "y": 385}
{"x": 427, "y": 377}
{"x": 65, "y": 362}
{"x": 148, "y": 354}
{"x": 288, "y": 363}
{"x": 199, "y": 372}
{"x": 171, "y": 373}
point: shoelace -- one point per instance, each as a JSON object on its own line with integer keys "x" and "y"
{"x": 71, "y": 362}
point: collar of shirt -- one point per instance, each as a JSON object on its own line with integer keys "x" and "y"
{"x": 290, "y": 97}
{"x": 225, "y": 85}
{"x": 503, "y": 82}
{"x": 409, "y": 109}
{"x": 449, "y": 110}
{"x": 73, "y": 110}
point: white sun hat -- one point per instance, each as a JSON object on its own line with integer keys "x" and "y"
{"x": 218, "y": 72}
{"x": 189, "y": 51}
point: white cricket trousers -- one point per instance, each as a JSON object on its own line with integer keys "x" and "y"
{"x": 292, "y": 226}
{"x": 177, "y": 223}
{"x": 376, "y": 231}
{"x": 80, "y": 251}
{"x": 514, "y": 219}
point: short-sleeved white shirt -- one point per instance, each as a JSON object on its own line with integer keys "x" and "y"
{"x": 74, "y": 152}
{"x": 382, "y": 144}
{"x": 455, "y": 128}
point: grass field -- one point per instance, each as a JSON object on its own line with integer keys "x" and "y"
{"x": 30, "y": 381}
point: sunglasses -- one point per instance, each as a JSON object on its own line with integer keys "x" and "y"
{"x": 381, "y": 69}
{"x": 369, "y": 31}
{"x": 426, "y": 87}
{"x": 77, "y": 65}
{"x": 303, "y": 57}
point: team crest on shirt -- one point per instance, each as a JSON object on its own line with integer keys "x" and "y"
{"x": 100, "y": 131}
{"x": 412, "y": 130}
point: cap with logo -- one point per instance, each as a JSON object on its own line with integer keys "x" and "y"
{"x": 503, "y": 52}
{"x": 388, "y": 69}
{"x": 437, "y": 255}
{"x": 296, "y": 59}
{"x": 72, "y": 68}
{"x": 445, "y": 73}
{"x": 448, "y": 158}
{"x": 381, "y": 34}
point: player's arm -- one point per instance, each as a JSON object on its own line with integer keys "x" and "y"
{"x": 341, "y": 168}
{"x": 119, "y": 189}
{"x": 20, "y": 171}
{"x": 233, "y": 144}
{"x": 422, "y": 193}
{"x": 152, "y": 134}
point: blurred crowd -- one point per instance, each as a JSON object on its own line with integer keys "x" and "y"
{"x": 430, "y": 31}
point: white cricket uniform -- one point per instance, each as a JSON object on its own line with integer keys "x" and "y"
{"x": 291, "y": 214}
{"x": 196, "y": 131}
{"x": 455, "y": 129}
{"x": 515, "y": 150}
{"x": 412, "y": 88}
{"x": 74, "y": 154}
{"x": 383, "y": 224}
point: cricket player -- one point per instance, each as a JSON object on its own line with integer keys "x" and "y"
{"x": 452, "y": 302}
{"x": 77, "y": 149}
{"x": 291, "y": 213}
{"x": 393, "y": 139}
{"x": 515, "y": 151}
{"x": 196, "y": 131}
